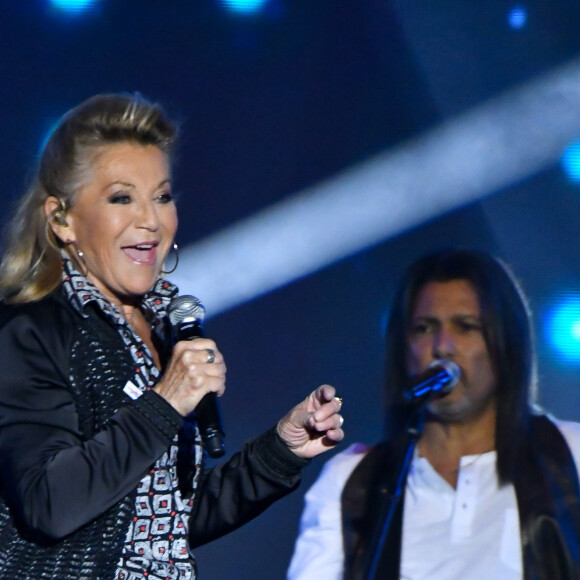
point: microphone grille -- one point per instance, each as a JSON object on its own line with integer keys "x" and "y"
{"x": 450, "y": 367}
{"x": 183, "y": 308}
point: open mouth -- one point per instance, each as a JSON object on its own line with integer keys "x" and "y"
{"x": 145, "y": 254}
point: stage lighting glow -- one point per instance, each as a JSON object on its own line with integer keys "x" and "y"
{"x": 52, "y": 124}
{"x": 244, "y": 6}
{"x": 517, "y": 17}
{"x": 491, "y": 147}
{"x": 73, "y": 6}
{"x": 563, "y": 327}
{"x": 571, "y": 161}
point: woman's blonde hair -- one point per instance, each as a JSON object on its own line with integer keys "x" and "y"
{"x": 31, "y": 266}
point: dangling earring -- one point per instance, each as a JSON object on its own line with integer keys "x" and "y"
{"x": 175, "y": 249}
{"x": 78, "y": 257}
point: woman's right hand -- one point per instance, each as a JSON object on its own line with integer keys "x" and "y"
{"x": 189, "y": 376}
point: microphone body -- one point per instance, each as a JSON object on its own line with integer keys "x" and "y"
{"x": 186, "y": 315}
{"x": 438, "y": 380}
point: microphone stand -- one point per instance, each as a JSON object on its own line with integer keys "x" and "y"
{"x": 390, "y": 502}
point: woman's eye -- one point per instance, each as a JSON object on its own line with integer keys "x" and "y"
{"x": 120, "y": 198}
{"x": 166, "y": 197}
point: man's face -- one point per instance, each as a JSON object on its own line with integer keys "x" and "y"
{"x": 446, "y": 324}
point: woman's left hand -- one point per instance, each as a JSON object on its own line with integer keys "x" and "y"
{"x": 314, "y": 425}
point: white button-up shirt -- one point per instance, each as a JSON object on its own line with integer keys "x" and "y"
{"x": 469, "y": 532}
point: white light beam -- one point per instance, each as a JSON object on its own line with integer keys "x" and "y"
{"x": 505, "y": 140}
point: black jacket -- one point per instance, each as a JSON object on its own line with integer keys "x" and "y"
{"x": 73, "y": 449}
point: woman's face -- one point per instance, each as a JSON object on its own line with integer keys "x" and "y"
{"x": 124, "y": 220}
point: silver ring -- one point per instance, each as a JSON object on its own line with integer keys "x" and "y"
{"x": 210, "y": 355}
{"x": 341, "y": 421}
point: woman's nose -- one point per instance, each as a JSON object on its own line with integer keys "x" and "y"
{"x": 147, "y": 216}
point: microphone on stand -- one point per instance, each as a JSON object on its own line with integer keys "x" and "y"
{"x": 186, "y": 314}
{"x": 439, "y": 379}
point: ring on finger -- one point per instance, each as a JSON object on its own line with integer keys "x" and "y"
{"x": 210, "y": 355}
{"x": 341, "y": 421}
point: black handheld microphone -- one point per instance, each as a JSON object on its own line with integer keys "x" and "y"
{"x": 186, "y": 315}
{"x": 438, "y": 380}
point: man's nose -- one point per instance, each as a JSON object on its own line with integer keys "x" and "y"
{"x": 444, "y": 343}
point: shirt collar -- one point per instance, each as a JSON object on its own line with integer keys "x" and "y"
{"x": 81, "y": 291}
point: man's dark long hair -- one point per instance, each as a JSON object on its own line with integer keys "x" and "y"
{"x": 507, "y": 332}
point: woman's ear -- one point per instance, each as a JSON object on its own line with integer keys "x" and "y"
{"x": 55, "y": 215}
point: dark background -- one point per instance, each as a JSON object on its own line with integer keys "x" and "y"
{"x": 278, "y": 101}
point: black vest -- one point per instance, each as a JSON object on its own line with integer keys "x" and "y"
{"x": 547, "y": 491}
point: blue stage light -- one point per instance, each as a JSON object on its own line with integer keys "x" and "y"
{"x": 517, "y": 17}
{"x": 73, "y": 6}
{"x": 571, "y": 161}
{"x": 563, "y": 327}
{"x": 244, "y": 6}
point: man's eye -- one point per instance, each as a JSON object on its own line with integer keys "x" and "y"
{"x": 420, "y": 329}
{"x": 468, "y": 326}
